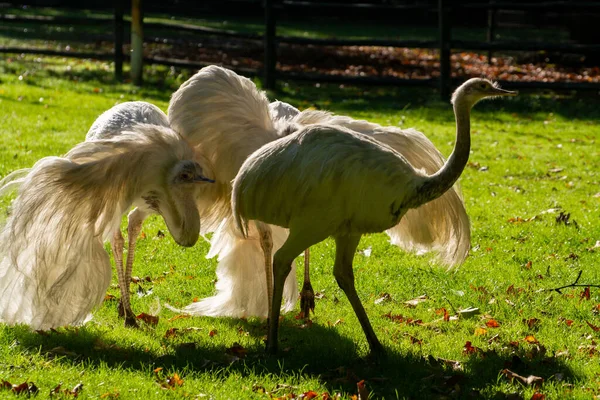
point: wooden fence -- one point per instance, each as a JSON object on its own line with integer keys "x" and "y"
{"x": 445, "y": 44}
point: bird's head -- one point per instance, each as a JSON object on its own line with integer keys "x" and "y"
{"x": 476, "y": 89}
{"x": 176, "y": 202}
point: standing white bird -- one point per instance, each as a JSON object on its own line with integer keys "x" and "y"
{"x": 228, "y": 118}
{"x": 53, "y": 266}
{"x": 327, "y": 180}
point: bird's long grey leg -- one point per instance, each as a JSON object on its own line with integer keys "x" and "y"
{"x": 266, "y": 243}
{"x": 117, "y": 244}
{"x": 345, "y": 247}
{"x": 307, "y": 294}
{"x": 135, "y": 219}
{"x": 297, "y": 242}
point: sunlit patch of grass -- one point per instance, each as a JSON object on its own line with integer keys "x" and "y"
{"x": 533, "y": 157}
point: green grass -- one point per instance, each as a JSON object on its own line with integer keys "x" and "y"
{"x": 541, "y": 152}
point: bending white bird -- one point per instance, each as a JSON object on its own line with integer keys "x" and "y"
{"x": 53, "y": 266}
{"x": 327, "y": 180}
{"x": 113, "y": 122}
{"x": 228, "y": 118}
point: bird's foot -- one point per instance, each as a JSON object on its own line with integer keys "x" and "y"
{"x": 130, "y": 319}
{"x": 131, "y": 322}
{"x": 307, "y": 300}
{"x": 377, "y": 352}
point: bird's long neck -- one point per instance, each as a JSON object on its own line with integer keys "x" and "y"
{"x": 437, "y": 184}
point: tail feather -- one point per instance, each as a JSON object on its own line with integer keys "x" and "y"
{"x": 224, "y": 113}
{"x": 53, "y": 266}
{"x": 241, "y": 283}
{"x": 53, "y": 269}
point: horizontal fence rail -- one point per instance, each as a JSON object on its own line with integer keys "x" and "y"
{"x": 271, "y": 9}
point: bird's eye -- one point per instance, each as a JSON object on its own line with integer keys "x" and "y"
{"x": 186, "y": 176}
{"x": 482, "y": 85}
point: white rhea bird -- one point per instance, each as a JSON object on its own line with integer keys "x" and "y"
{"x": 228, "y": 118}
{"x": 327, "y": 180}
{"x": 53, "y": 267}
{"x": 113, "y": 122}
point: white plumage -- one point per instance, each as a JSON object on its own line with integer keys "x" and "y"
{"x": 54, "y": 269}
{"x": 327, "y": 180}
{"x": 228, "y": 118}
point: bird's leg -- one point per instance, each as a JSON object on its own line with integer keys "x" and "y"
{"x": 297, "y": 241}
{"x": 134, "y": 226}
{"x": 342, "y": 270}
{"x": 117, "y": 244}
{"x": 266, "y": 243}
{"x": 307, "y": 294}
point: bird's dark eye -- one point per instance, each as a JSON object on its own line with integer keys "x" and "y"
{"x": 482, "y": 85}
{"x": 186, "y": 176}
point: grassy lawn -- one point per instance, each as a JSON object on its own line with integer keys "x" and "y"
{"x": 533, "y": 157}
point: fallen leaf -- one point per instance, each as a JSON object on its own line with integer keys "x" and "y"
{"x": 531, "y": 322}
{"x": 212, "y": 332}
{"x": 468, "y": 312}
{"x": 384, "y": 297}
{"x": 445, "y": 312}
{"x": 237, "y": 350}
{"x": 531, "y": 339}
{"x": 480, "y": 331}
{"x": 109, "y": 297}
{"x": 538, "y": 396}
{"x": 171, "y": 333}
{"x": 148, "y": 319}
{"x": 414, "y": 302}
{"x": 174, "y": 381}
{"x": 363, "y": 392}
{"x": 585, "y": 294}
{"x": 367, "y": 252}
{"x": 309, "y": 395}
{"x": 470, "y": 349}
{"x": 531, "y": 380}
{"x": 394, "y": 317}
{"x": 594, "y": 328}
{"x": 492, "y": 323}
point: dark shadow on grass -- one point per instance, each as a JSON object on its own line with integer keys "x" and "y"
{"x": 317, "y": 351}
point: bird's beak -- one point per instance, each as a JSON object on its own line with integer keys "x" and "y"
{"x": 200, "y": 178}
{"x": 502, "y": 92}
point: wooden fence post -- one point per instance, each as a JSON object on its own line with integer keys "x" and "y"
{"x": 270, "y": 61}
{"x": 444, "y": 27}
{"x": 118, "y": 40}
{"x": 491, "y": 28}
{"x": 137, "y": 42}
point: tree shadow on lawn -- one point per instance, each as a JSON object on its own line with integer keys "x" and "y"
{"x": 161, "y": 82}
{"x": 318, "y": 352}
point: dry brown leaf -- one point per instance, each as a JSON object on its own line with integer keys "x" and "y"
{"x": 585, "y": 294}
{"x": 148, "y": 319}
{"x": 531, "y": 339}
{"x": 180, "y": 316}
{"x": 594, "y": 327}
{"x": 531, "y": 380}
{"x": 363, "y": 392}
{"x": 237, "y": 350}
{"x": 492, "y": 323}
